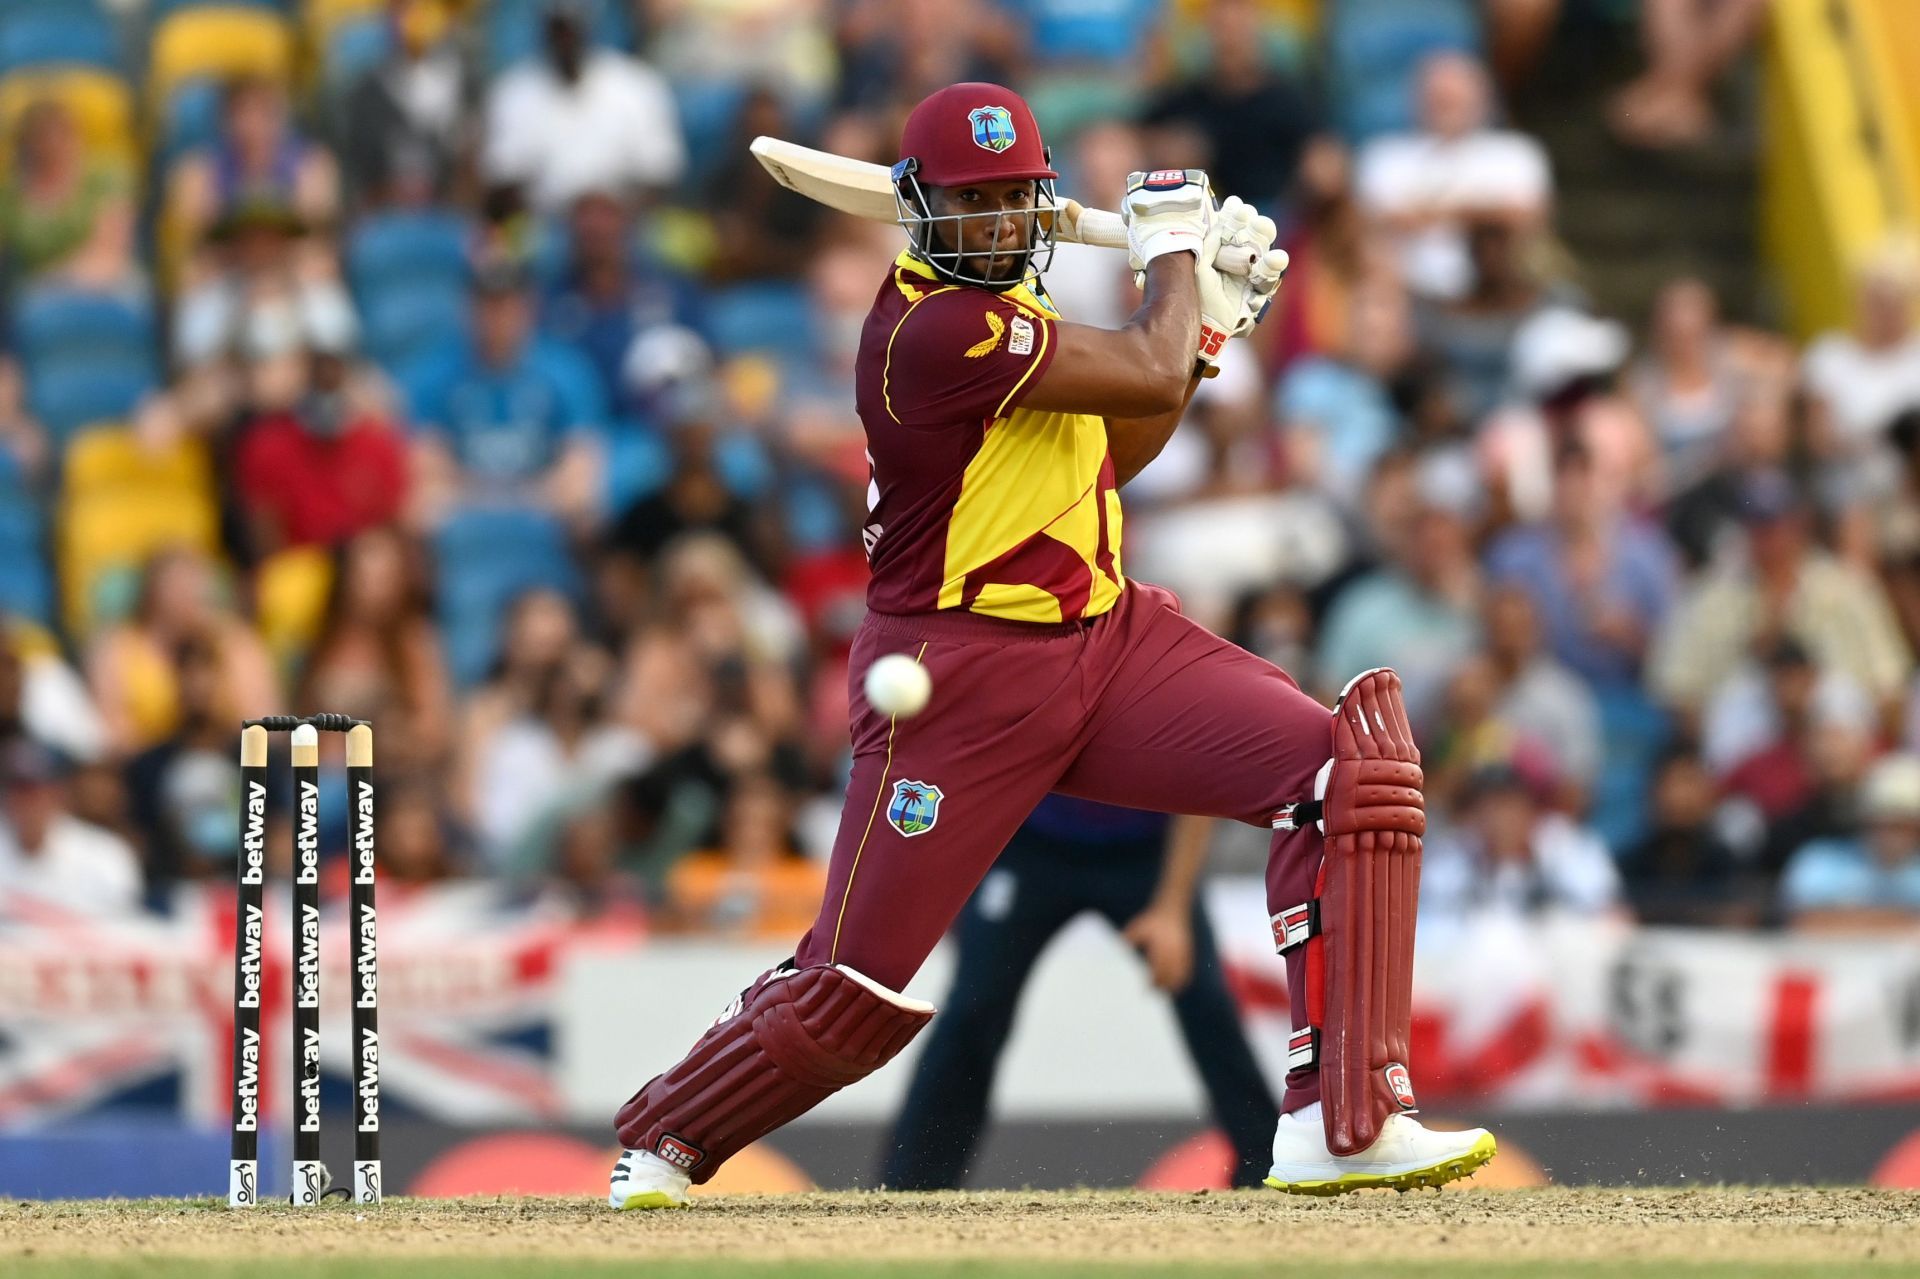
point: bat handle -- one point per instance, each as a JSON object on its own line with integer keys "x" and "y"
{"x": 1107, "y": 231}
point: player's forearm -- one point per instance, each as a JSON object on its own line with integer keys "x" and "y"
{"x": 1135, "y": 441}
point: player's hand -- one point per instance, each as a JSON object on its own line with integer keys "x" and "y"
{"x": 1166, "y": 211}
{"x": 1231, "y": 304}
{"x": 1164, "y": 938}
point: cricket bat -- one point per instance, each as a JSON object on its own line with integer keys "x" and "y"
{"x": 866, "y": 191}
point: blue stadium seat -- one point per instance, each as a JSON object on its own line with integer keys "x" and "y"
{"x": 487, "y": 558}
{"x": 353, "y": 47}
{"x": 708, "y": 110}
{"x": 61, "y": 34}
{"x": 399, "y": 327}
{"x": 87, "y": 357}
{"x": 638, "y": 463}
{"x": 513, "y": 30}
{"x": 1375, "y": 47}
{"x": 391, "y": 252}
{"x": 761, "y": 317}
{"x": 190, "y": 120}
{"x": 158, "y": 9}
{"x": 26, "y": 583}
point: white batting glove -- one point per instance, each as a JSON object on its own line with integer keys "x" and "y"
{"x": 1166, "y": 211}
{"x": 1231, "y": 303}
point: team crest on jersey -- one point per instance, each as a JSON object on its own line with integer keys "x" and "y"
{"x": 1021, "y": 343}
{"x": 915, "y": 807}
{"x": 992, "y": 128}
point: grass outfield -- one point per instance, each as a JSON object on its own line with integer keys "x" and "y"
{"x": 1592, "y": 1234}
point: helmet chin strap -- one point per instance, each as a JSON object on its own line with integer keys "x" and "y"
{"x": 915, "y": 214}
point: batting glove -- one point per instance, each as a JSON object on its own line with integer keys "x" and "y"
{"x": 1166, "y": 211}
{"x": 1232, "y": 303}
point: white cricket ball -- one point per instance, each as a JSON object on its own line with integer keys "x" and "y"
{"x": 898, "y": 685}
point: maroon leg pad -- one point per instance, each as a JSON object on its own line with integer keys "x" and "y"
{"x": 1375, "y": 817}
{"x": 800, "y": 1036}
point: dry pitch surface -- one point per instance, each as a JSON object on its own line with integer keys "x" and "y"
{"x": 1706, "y": 1231}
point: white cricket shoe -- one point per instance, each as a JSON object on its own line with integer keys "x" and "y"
{"x": 642, "y": 1179}
{"x": 1404, "y": 1156}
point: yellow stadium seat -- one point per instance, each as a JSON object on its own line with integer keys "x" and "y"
{"x": 322, "y": 16}
{"x": 100, "y": 102}
{"x": 217, "y": 43}
{"x": 120, "y": 503}
{"x": 291, "y": 589}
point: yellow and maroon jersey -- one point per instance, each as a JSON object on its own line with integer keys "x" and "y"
{"x": 975, "y": 502}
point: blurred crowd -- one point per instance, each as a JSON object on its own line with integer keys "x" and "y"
{"x": 454, "y": 366}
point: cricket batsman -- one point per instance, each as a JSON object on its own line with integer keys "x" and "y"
{"x": 1000, "y": 436}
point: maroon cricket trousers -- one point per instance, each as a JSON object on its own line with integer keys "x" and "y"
{"x": 1140, "y": 707}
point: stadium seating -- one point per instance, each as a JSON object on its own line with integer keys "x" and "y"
{"x": 513, "y": 30}
{"x": 486, "y": 558}
{"x": 408, "y": 272}
{"x": 1373, "y": 49}
{"x": 217, "y": 42}
{"x": 771, "y": 317}
{"x": 48, "y": 34}
{"x": 87, "y": 357}
{"x": 121, "y": 502}
{"x": 25, "y": 588}
{"x": 352, "y": 47}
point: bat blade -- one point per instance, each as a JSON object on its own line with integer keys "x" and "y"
{"x": 865, "y": 190}
{"x": 851, "y": 186}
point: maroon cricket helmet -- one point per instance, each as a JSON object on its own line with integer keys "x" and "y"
{"x": 974, "y": 132}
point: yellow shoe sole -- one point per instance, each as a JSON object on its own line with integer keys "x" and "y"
{"x": 1435, "y": 1175}
{"x": 653, "y": 1199}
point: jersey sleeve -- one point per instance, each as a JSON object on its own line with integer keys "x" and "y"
{"x": 962, "y": 354}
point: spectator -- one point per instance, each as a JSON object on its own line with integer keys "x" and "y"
{"x": 417, "y": 847}
{"x": 1473, "y": 334}
{"x": 581, "y": 119}
{"x": 1694, "y": 376}
{"x": 761, "y": 230}
{"x": 326, "y": 465}
{"x": 564, "y": 742}
{"x": 1564, "y": 364}
{"x": 1603, "y": 582}
{"x": 1418, "y": 612}
{"x": 1688, "y": 44}
{"x": 1236, "y": 116}
{"x": 257, "y": 162}
{"x": 609, "y": 295}
{"x": 1869, "y": 882}
{"x": 1337, "y": 412}
{"x": 755, "y": 884}
{"x": 1540, "y": 697}
{"x": 1331, "y": 254}
{"x": 1425, "y": 187}
{"x": 1508, "y": 854}
{"x": 1785, "y": 585}
{"x": 1859, "y": 381}
{"x": 403, "y": 136}
{"x": 42, "y": 698}
{"x": 183, "y": 793}
{"x": 263, "y": 297}
{"x": 65, "y": 219}
{"x": 1841, "y": 751}
{"x": 133, "y": 667}
{"x": 1705, "y": 519}
{"x": 379, "y": 656}
{"x": 1758, "y": 727}
{"x": 505, "y": 416}
{"x": 1683, "y": 872}
{"x": 50, "y": 856}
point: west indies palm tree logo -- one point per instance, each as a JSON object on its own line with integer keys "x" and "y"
{"x": 915, "y": 807}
